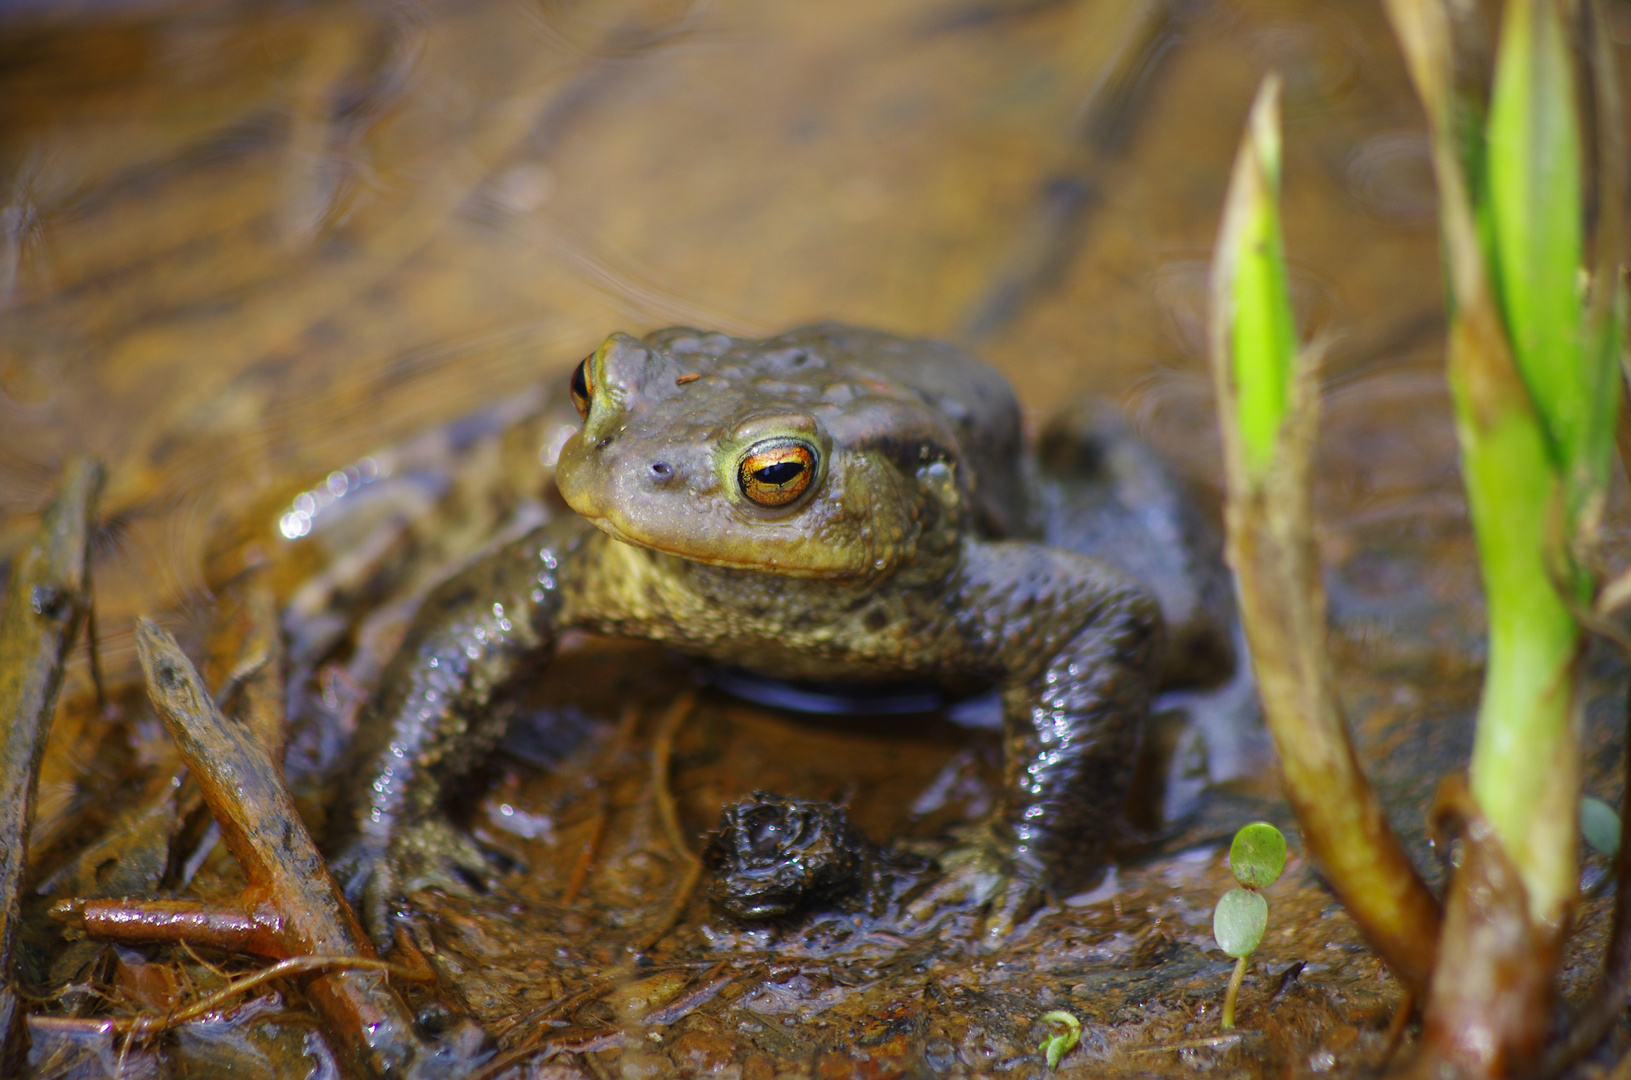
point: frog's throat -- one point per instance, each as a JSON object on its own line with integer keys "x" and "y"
{"x": 607, "y": 526}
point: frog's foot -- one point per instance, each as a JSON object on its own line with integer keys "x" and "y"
{"x": 983, "y": 872}
{"x": 430, "y": 854}
{"x": 436, "y": 854}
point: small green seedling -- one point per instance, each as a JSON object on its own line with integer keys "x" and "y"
{"x": 1600, "y": 825}
{"x": 1257, "y": 857}
{"x": 1066, "y": 1033}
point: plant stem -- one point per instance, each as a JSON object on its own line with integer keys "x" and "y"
{"x": 1232, "y": 993}
{"x": 1282, "y": 598}
{"x": 1525, "y": 759}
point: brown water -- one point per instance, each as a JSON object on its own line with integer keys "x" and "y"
{"x": 245, "y": 245}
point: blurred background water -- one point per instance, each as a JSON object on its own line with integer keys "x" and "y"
{"x": 242, "y": 245}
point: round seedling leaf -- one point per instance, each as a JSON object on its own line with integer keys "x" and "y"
{"x": 1600, "y": 825}
{"x": 1257, "y": 855}
{"x": 1239, "y": 920}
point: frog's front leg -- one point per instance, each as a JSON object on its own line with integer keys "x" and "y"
{"x": 1077, "y": 645}
{"x": 439, "y": 709}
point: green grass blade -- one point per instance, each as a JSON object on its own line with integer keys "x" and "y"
{"x": 1262, "y": 330}
{"x": 1535, "y": 216}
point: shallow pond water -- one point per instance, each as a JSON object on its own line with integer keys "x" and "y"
{"x": 248, "y": 246}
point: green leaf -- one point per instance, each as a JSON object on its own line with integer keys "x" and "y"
{"x": 1060, "y": 1043}
{"x": 1258, "y": 855}
{"x": 1600, "y": 825}
{"x": 1536, "y": 220}
{"x": 1239, "y": 920}
{"x": 1262, "y": 332}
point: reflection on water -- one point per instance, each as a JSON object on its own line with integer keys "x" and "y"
{"x": 1391, "y": 175}
{"x": 249, "y": 250}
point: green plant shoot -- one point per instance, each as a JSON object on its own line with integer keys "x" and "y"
{"x": 1257, "y": 857}
{"x": 1268, "y": 405}
{"x": 1262, "y": 331}
{"x": 1062, "y": 1040}
{"x": 1535, "y": 448}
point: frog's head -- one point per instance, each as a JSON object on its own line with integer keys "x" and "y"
{"x": 758, "y": 455}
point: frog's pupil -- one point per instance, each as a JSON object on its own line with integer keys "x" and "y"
{"x": 780, "y": 473}
{"x": 580, "y": 385}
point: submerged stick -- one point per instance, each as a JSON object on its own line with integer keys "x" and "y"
{"x": 46, "y": 598}
{"x": 662, "y": 750}
{"x": 292, "y": 904}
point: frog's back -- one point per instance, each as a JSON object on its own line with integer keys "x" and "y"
{"x": 969, "y": 400}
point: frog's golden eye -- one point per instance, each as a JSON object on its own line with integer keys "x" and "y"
{"x": 583, "y": 387}
{"x": 775, "y": 473}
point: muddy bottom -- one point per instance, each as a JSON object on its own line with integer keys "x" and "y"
{"x": 554, "y": 962}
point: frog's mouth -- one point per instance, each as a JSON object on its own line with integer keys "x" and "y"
{"x": 712, "y": 558}
{"x": 613, "y": 530}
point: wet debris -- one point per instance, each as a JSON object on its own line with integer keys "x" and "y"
{"x": 47, "y": 597}
{"x": 292, "y": 910}
{"x": 775, "y": 856}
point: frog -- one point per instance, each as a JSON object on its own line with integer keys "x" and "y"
{"x": 831, "y": 505}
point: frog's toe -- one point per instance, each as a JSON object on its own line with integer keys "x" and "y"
{"x": 1016, "y": 898}
{"x": 980, "y": 874}
{"x": 376, "y": 876}
{"x": 355, "y": 866}
{"x": 436, "y": 854}
{"x": 369, "y": 883}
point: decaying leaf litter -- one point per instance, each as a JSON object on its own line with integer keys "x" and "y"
{"x": 1134, "y": 966}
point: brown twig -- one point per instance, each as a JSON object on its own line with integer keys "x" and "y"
{"x": 533, "y": 1027}
{"x": 1122, "y": 59}
{"x": 662, "y": 752}
{"x": 261, "y": 684}
{"x": 599, "y": 777}
{"x": 1397, "y": 1025}
{"x": 707, "y": 987}
{"x": 711, "y": 983}
{"x": 591, "y": 846}
{"x": 676, "y": 907}
{"x": 48, "y": 594}
{"x": 147, "y": 1025}
{"x": 292, "y": 906}
{"x": 628, "y": 722}
{"x": 93, "y": 646}
{"x": 170, "y": 816}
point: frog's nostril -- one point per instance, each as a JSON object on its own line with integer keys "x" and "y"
{"x": 603, "y": 443}
{"x": 662, "y": 471}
